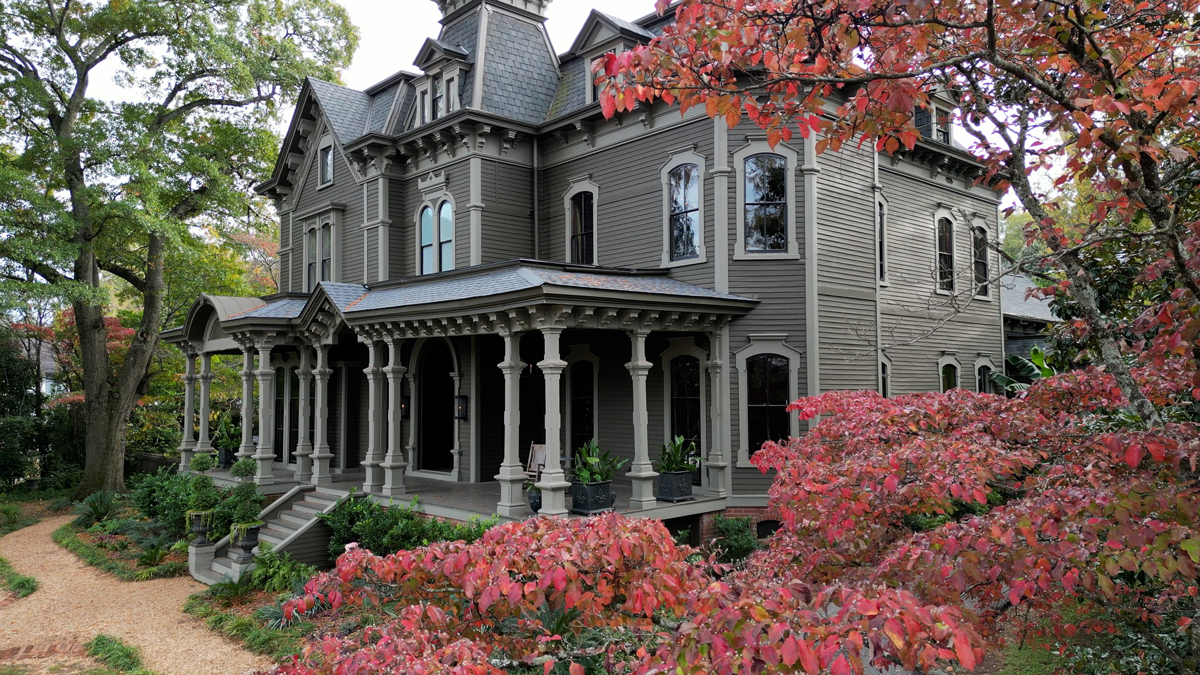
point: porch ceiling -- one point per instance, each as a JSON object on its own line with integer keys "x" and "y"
{"x": 523, "y": 294}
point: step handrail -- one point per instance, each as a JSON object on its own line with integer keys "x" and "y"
{"x": 282, "y": 546}
{"x": 287, "y": 499}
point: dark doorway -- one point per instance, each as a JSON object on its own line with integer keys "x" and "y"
{"x": 686, "y": 411}
{"x": 533, "y": 394}
{"x": 436, "y": 407}
{"x": 491, "y": 413}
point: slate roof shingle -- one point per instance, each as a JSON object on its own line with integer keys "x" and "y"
{"x": 519, "y": 82}
{"x": 572, "y": 89}
{"x": 1014, "y": 304}
{"x": 343, "y": 295}
{"x": 347, "y": 109}
{"x": 381, "y": 105}
{"x": 284, "y": 308}
{"x": 627, "y": 26}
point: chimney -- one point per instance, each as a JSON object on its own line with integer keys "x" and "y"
{"x": 537, "y": 7}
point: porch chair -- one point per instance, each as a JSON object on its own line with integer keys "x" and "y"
{"x": 536, "y": 463}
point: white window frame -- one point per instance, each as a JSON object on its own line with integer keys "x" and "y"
{"x": 885, "y": 361}
{"x": 581, "y": 353}
{"x": 881, "y": 241}
{"x": 949, "y": 358}
{"x": 979, "y": 224}
{"x": 984, "y": 359}
{"x": 686, "y": 346}
{"x": 582, "y": 184}
{"x": 326, "y": 146}
{"x": 761, "y": 147}
{"x": 943, "y": 212}
{"x": 775, "y": 343}
{"x": 435, "y": 205}
{"x": 677, "y": 159}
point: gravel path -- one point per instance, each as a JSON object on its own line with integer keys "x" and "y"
{"x": 75, "y": 602}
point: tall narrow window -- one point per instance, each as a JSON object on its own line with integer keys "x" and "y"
{"x": 984, "y": 380}
{"x": 945, "y": 254}
{"x": 445, "y": 237}
{"x": 327, "y": 252}
{"x": 979, "y": 249}
{"x": 885, "y": 380}
{"x": 311, "y": 259}
{"x": 326, "y": 169}
{"x": 583, "y": 228}
{"x": 439, "y": 95}
{"x": 685, "y": 212}
{"x": 942, "y": 123}
{"x": 923, "y": 121}
{"x": 766, "y": 204}
{"x": 881, "y": 241}
{"x": 686, "y": 412}
{"x": 583, "y": 403}
{"x": 949, "y": 377}
{"x": 424, "y": 107}
{"x": 428, "y": 254}
{"x": 767, "y": 399}
{"x": 451, "y": 95}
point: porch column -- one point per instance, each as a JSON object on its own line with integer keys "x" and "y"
{"x": 512, "y": 474}
{"x": 554, "y": 485}
{"x": 188, "y": 443}
{"x": 321, "y": 454}
{"x": 374, "y": 372}
{"x": 205, "y": 377}
{"x": 266, "y": 416}
{"x": 394, "y": 464}
{"x": 716, "y": 464}
{"x": 304, "y": 448}
{"x": 247, "y": 447}
{"x": 641, "y": 472}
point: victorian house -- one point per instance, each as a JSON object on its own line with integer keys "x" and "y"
{"x": 475, "y": 262}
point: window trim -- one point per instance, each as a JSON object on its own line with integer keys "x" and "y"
{"x": 775, "y": 343}
{"x": 881, "y": 241}
{"x": 677, "y": 159}
{"x": 885, "y": 361}
{"x": 984, "y": 361}
{"x": 435, "y": 203}
{"x": 582, "y": 184}
{"x": 792, "y": 157}
{"x": 325, "y": 147}
{"x": 938, "y": 215}
{"x": 589, "y": 79}
{"x": 949, "y": 358}
{"x": 311, "y": 228}
{"x": 977, "y": 226}
{"x": 940, "y": 113}
{"x": 581, "y": 353}
{"x": 686, "y": 346}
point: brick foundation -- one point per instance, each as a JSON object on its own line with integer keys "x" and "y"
{"x": 708, "y": 528}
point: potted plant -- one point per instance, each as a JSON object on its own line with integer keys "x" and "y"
{"x": 591, "y": 479}
{"x": 201, "y": 503}
{"x": 243, "y": 469}
{"x": 675, "y": 467}
{"x": 534, "y": 494}
{"x": 226, "y": 438}
{"x": 244, "y": 531}
{"x": 202, "y": 462}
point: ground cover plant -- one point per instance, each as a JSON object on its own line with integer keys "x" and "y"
{"x": 117, "y": 655}
{"x": 14, "y": 516}
{"x": 19, "y": 584}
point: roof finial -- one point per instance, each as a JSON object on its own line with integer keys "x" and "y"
{"x": 537, "y": 7}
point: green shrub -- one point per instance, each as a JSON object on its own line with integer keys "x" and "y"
{"x": 203, "y": 462}
{"x": 16, "y": 582}
{"x": 96, "y": 556}
{"x": 735, "y": 540}
{"x": 278, "y": 572}
{"x": 383, "y": 530}
{"x": 228, "y": 593}
{"x": 164, "y": 496}
{"x": 10, "y": 514}
{"x": 97, "y": 508}
{"x": 243, "y": 468}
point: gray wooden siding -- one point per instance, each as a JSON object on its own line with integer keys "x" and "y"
{"x": 312, "y": 547}
{"x": 344, "y": 190}
{"x": 401, "y": 192}
{"x": 507, "y": 226}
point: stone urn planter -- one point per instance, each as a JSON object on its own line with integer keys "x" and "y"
{"x": 674, "y": 486}
{"x": 535, "y": 500}
{"x": 200, "y": 527}
{"x": 247, "y": 540}
{"x": 591, "y": 498}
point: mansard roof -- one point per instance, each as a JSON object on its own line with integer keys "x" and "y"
{"x": 519, "y": 80}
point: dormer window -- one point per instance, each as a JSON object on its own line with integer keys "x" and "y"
{"x": 451, "y": 94}
{"x": 424, "y": 107}
{"x": 325, "y": 160}
{"x": 942, "y": 125}
{"x": 437, "y": 98}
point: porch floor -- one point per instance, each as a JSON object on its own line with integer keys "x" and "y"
{"x": 463, "y": 500}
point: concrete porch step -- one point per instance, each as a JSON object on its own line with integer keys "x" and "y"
{"x": 293, "y": 519}
{"x": 222, "y": 567}
{"x": 318, "y": 497}
{"x": 309, "y": 508}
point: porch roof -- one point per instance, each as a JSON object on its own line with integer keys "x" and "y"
{"x": 521, "y": 283}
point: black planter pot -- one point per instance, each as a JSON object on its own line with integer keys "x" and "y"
{"x": 225, "y": 458}
{"x": 199, "y": 528}
{"x": 673, "y": 486}
{"x": 535, "y": 501}
{"x": 590, "y": 498}
{"x": 247, "y": 543}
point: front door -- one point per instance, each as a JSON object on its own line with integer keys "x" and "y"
{"x": 686, "y": 406}
{"x": 436, "y": 407}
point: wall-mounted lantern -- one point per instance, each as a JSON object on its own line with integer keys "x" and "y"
{"x": 461, "y": 407}
{"x": 405, "y": 406}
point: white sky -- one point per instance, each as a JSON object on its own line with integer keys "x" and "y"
{"x": 393, "y": 30}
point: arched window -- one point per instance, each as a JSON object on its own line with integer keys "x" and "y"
{"x": 979, "y": 262}
{"x": 885, "y": 384}
{"x": 311, "y": 260}
{"x": 949, "y": 377}
{"x": 881, "y": 241}
{"x": 984, "y": 376}
{"x": 767, "y": 383}
{"x": 428, "y": 260}
{"x": 446, "y": 237}
{"x": 583, "y": 403}
{"x": 686, "y": 406}
{"x": 583, "y": 228}
{"x": 945, "y": 255}
{"x": 684, "y": 182}
{"x": 766, "y": 215}
{"x": 327, "y": 252}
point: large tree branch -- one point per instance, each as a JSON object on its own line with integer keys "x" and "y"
{"x": 166, "y": 117}
{"x": 130, "y": 277}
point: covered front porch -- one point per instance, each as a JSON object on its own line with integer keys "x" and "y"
{"x": 441, "y": 386}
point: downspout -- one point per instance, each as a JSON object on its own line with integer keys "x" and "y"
{"x": 537, "y": 233}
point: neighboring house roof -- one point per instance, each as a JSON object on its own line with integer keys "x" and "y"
{"x": 1014, "y": 304}
{"x": 526, "y": 276}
